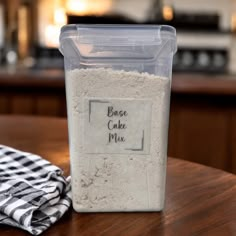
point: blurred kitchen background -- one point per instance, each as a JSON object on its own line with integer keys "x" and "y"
{"x": 203, "y": 106}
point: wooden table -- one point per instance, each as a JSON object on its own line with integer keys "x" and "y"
{"x": 199, "y": 200}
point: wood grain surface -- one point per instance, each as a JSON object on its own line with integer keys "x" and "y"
{"x": 199, "y": 200}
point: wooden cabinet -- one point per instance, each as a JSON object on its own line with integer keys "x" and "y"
{"x": 233, "y": 142}
{"x": 203, "y": 120}
{"x": 200, "y": 131}
{"x": 33, "y": 93}
{"x": 202, "y": 115}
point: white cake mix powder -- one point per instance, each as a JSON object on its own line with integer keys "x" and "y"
{"x": 118, "y": 126}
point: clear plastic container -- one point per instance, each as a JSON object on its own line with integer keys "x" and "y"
{"x": 118, "y": 81}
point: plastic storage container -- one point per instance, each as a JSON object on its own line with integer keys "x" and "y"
{"x": 118, "y": 81}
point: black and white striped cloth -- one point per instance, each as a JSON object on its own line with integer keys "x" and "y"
{"x": 33, "y": 192}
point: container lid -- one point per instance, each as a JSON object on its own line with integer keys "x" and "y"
{"x": 114, "y": 35}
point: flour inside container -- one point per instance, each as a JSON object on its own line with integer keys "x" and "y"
{"x": 118, "y": 125}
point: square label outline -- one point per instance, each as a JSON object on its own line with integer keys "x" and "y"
{"x": 90, "y": 100}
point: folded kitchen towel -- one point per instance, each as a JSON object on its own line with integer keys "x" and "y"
{"x": 33, "y": 192}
